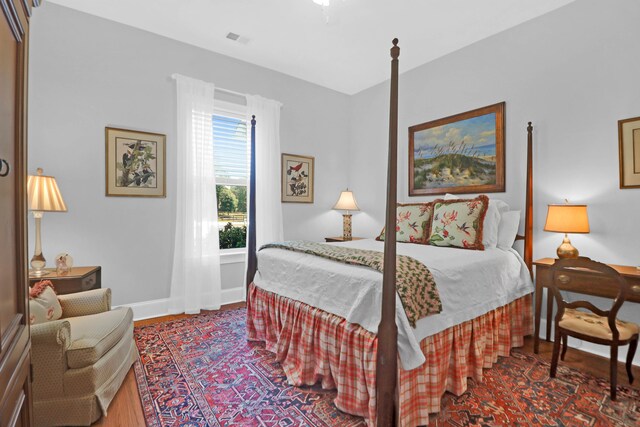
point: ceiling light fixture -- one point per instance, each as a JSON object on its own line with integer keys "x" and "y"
{"x": 322, "y": 2}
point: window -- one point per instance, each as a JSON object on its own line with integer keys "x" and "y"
{"x": 231, "y": 162}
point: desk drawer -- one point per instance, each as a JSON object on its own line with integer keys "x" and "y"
{"x": 80, "y": 279}
{"x": 587, "y": 284}
{"x": 89, "y": 282}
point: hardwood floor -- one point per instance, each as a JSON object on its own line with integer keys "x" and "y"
{"x": 126, "y": 409}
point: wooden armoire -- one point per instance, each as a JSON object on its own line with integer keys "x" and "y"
{"x": 15, "y": 379}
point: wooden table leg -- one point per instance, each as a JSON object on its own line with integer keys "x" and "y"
{"x": 536, "y": 333}
{"x": 549, "y": 314}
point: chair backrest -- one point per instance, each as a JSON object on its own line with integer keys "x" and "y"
{"x": 583, "y": 269}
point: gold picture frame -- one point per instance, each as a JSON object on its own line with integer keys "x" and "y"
{"x": 297, "y": 178}
{"x": 459, "y": 154}
{"x": 135, "y": 163}
{"x": 629, "y": 150}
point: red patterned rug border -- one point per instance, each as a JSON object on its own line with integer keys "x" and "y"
{"x": 195, "y": 390}
{"x": 150, "y": 415}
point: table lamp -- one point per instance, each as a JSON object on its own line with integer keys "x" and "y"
{"x": 346, "y": 202}
{"x": 567, "y": 219}
{"x": 44, "y": 196}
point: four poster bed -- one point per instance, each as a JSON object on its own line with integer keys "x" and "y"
{"x": 329, "y": 322}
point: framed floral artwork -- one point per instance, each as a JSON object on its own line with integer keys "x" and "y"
{"x": 297, "y": 178}
{"x": 463, "y": 153}
{"x": 629, "y": 136}
{"x": 135, "y": 163}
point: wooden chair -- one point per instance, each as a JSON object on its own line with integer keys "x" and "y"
{"x": 596, "y": 326}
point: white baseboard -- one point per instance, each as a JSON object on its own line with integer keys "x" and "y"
{"x": 160, "y": 307}
{"x": 600, "y": 350}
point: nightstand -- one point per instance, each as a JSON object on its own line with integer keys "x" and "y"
{"x": 79, "y": 279}
{"x": 579, "y": 285}
{"x": 341, "y": 239}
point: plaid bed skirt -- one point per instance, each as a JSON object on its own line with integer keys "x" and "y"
{"x": 313, "y": 345}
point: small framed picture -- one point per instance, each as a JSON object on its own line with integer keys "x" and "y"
{"x": 135, "y": 163}
{"x": 297, "y": 178}
{"x": 629, "y": 135}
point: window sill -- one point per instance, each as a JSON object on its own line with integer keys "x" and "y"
{"x": 232, "y": 256}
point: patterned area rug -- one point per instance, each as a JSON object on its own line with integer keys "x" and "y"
{"x": 200, "y": 371}
{"x": 517, "y": 391}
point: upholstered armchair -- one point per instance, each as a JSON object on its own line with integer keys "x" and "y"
{"x": 80, "y": 360}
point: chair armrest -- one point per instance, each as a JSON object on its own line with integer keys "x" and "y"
{"x": 85, "y": 303}
{"x": 54, "y": 333}
{"x": 49, "y": 344}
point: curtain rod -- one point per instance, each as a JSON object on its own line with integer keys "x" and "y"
{"x": 231, "y": 92}
{"x": 175, "y": 76}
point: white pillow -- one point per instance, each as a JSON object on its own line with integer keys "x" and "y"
{"x": 500, "y": 204}
{"x": 508, "y": 229}
{"x": 491, "y": 220}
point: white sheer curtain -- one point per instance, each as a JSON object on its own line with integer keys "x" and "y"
{"x": 195, "y": 281}
{"x": 268, "y": 203}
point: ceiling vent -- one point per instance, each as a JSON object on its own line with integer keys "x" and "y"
{"x": 238, "y": 38}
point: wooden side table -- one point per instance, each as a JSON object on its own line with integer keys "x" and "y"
{"x": 341, "y": 239}
{"x": 580, "y": 285}
{"x": 79, "y": 279}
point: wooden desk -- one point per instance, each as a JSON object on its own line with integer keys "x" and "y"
{"x": 77, "y": 280}
{"x": 579, "y": 284}
{"x": 341, "y": 239}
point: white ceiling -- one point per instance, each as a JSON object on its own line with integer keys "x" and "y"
{"x": 348, "y": 53}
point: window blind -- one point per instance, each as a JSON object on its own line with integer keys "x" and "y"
{"x": 230, "y": 150}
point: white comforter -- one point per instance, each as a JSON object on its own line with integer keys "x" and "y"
{"x": 471, "y": 283}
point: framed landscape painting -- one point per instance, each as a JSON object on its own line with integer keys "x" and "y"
{"x": 297, "y": 178}
{"x": 135, "y": 163}
{"x": 629, "y": 135}
{"x": 458, "y": 154}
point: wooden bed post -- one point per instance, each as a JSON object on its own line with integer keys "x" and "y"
{"x": 528, "y": 219}
{"x": 387, "y": 357}
{"x": 252, "y": 260}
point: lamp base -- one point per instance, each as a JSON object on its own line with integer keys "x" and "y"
{"x": 566, "y": 249}
{"x": 37, "y": 264}
{"x": 346, "y": 226}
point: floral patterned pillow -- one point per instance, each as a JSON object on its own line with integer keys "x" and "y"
{"x": 458, "y": 222}
{"x": 412, "y": 222}
{"x": 43, "y": 303}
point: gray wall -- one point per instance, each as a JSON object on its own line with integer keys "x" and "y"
{"x": 87, "y": 73}
{"x": 574, "y": 74}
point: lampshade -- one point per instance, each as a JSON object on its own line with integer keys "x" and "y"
{"x": 346, "y": 202}
{"x": 567, "y": 219}
{"x": 43, "y": 194}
